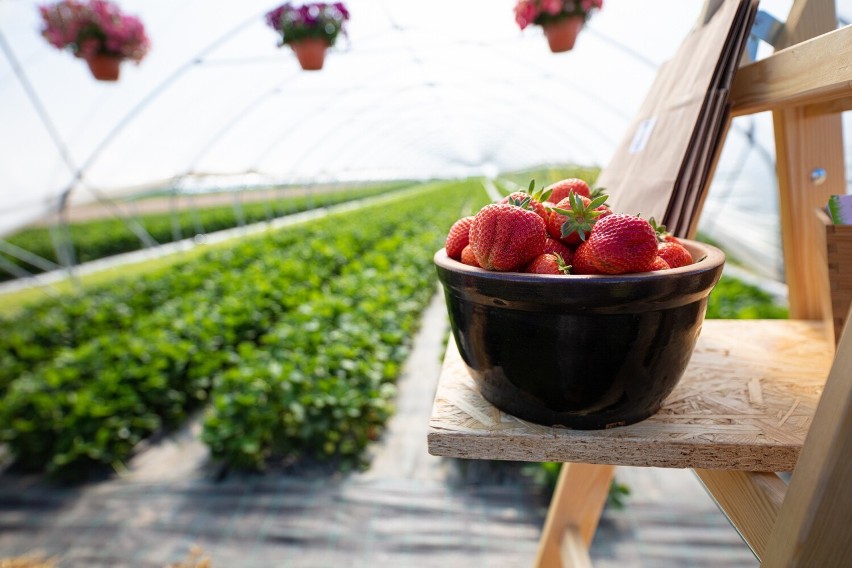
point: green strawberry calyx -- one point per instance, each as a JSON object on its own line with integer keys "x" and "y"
{"x": 580, "y": 218}
{"x": 540, "y": 194}
{"x": 561, "y": 265}
{"x": 533, "y": 194}
{"x": 598, "y": 191}
{"x": 660, "y": 230}
{"x": 522, "y": 203}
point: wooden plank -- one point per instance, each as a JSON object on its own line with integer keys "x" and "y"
{"x": 574, "y": 552}
{"x": 807, "y": 19}
{"x": 751, "y": 501}
{"x": 834, "y": 106}
{"x": 813, "y": 526}
{"x": 709, "y": 421}
{"x": 815, "y": 71}
{"x": 575, "y": 507}
{"x": 803, "y": 143}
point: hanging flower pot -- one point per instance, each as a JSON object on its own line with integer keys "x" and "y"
{"x": 561, "y": 20}
{"x": 310, "y": 52}
{"x": 104, "y": 67}
{"x": 309, "y": 29}
{"x": 96, "y": 31}
{"x": 562, "y": 34}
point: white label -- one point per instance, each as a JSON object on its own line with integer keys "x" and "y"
{"x": 643, "y": 133}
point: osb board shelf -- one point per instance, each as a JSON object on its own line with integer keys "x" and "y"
{"x": 745, "y": 402}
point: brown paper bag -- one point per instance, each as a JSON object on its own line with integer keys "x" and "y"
{"x": 659, "y": 168}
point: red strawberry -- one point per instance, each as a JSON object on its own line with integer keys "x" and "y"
{"x": 458, "y": 237}
{"x": 467, "y": 257}
{"x": 554, "y": 246}
{"x": 675, "y": 254}
{"x": 561, "y": 189}
{"x": 519, "y": 197}
{"x": 536, "y": 198}
{"x": 659, "y": 264}
{"x": 622, "y": 243}
{"x": 548, "y": 263}
{"x": 572, "y": 219}
{"x": 582, "y": 262}
{"x": 505, "y": 237}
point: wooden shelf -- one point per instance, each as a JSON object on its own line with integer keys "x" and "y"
{"x": 745, "y": 402}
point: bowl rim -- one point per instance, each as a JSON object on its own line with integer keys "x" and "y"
{"x": 711, "y": 258}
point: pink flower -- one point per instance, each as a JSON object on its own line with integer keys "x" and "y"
{"x": 542, "y": 11}
{"x": 93, "y": 27}
{"x": 525, "y": 13}
{"x": 342, "y": 9}
{"x": 552, "y": 7}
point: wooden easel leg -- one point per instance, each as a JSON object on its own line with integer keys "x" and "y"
{"x": 749, "y": 499}
{"x": 573, "y": 516}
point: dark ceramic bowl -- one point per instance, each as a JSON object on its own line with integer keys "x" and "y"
{"x": 585, "y": 352}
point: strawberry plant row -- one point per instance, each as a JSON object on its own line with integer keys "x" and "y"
{"x": 326, "y": 372}
{"x": 37, "y": 332}
{"x": 105, "y": 237}
{"x": 96, "y": 400}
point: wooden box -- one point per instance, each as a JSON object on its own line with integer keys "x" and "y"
{"x": 838, "y": 258}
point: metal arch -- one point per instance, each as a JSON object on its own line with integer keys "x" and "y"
{"x": 36, "y": 102}
{"x": 573, "y": 87}
{"x": 79, "y": 171}
{"x": 158, "y": 90}
{"x": 535, "y": 94}
{"x": 393, "y": 126}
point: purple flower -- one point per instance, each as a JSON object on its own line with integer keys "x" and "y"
{"x": 316, "y": 19}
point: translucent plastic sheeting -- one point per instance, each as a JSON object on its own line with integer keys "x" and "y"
{"x": 415, "y": 90}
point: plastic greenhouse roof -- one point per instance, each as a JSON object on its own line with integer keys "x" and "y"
{"x": 443, "y": 88}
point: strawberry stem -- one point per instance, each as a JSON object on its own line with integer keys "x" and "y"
{"x": 581, "y": 217}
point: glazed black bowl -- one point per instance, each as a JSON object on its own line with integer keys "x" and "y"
{"x": 584, "y": 352}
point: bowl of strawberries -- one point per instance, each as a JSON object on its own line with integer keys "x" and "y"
{"x": 569, "y": 314}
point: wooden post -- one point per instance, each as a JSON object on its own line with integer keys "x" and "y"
{"x": 806, "y": 145}
{"x": 751, "y": 501}
{"x": 576, "y": 507}
{"x": 813, "y": 526}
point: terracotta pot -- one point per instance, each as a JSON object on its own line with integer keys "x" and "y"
{"x": 310, "y": 52}
{"x": 586, "y": 352}
{"x": 562, "y": 34}
{"x": 104, "y": 67}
